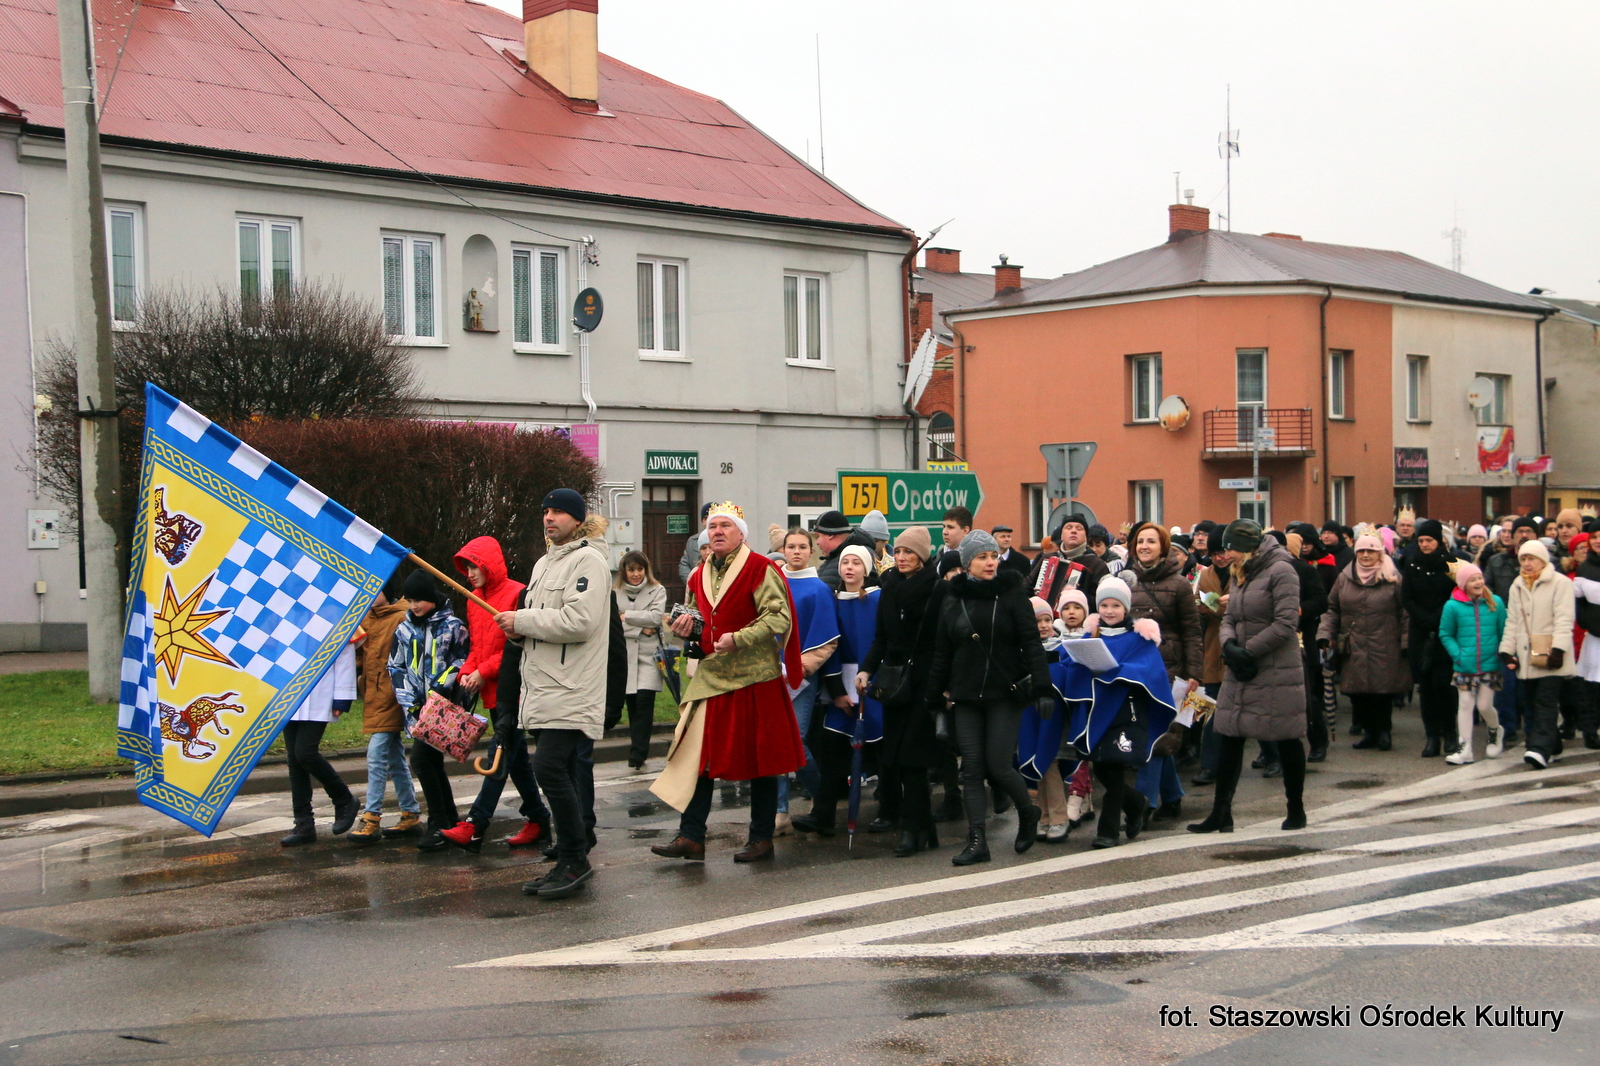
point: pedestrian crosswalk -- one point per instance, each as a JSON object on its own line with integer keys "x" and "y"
{"x": 1360, "y": 876}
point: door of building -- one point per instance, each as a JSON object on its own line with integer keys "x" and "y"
{"x": 670, "y": 511}
{"x": 1257, "y": 506}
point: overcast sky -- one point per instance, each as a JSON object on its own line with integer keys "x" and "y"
{"x": 1051, "y": 130}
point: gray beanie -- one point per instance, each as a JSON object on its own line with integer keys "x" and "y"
{"x": 975, "y": 542}
{"x": 1114, "y": 588}
{"x": 875, "y": 525}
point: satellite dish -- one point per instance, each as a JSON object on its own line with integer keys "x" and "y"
{"x": 1173, "y": 414}
{"x": 920, "y": 370}
{"x": 1481, "y": 392}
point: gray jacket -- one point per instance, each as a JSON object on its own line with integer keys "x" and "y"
{"x": 566, "y": 628}
{"x": 1264, "y": 615}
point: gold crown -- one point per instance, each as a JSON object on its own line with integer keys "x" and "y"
{"x": 726, "y": 507}
{"x": 1404, "y": 514}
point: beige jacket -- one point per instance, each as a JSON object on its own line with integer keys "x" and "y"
{"x": 565, "y": 628}
{"x": 1547, "y": 609}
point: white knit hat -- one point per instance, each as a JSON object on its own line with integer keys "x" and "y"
{"x": 860, "y": 553}
{"x": 1114, "y": 588}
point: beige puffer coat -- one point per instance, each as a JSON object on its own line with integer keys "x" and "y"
{"x": 1264, "y": 615}
{"x": 565, "y": 627}
{"x": 1547, "y": 609}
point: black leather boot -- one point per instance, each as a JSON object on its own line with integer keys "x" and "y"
{"x": 1027, "y": 827}
{"x": 1432, "y": 748}
{"x": 302, "y": 833}
{"x": 977, "y": 849}
{"x": 344, "y": 813}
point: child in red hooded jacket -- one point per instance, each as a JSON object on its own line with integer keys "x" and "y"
{"x": 484, "y": 565}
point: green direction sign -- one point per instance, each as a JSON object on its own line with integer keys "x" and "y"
{"x": 908, "y": 497}
{"x": 671, "y": 464}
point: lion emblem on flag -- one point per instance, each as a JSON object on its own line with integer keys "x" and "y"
{"x": 175, "y": 533}
{"x": 183, "y": 727}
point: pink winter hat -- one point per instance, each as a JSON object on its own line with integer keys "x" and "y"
{"x": 1478, "y": 531}
{"x": 1041, "y": 609}
{"x": 1074, "y": 596}
{"x": 1464, "y": 573}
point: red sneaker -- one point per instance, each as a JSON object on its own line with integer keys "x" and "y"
{"x": 464, "y": 835}
{"x": 528, "y": 834}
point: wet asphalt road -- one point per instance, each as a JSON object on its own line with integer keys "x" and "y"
{"x": 125, "y": 938}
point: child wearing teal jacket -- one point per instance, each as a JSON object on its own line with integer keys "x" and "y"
{"x": 1470, "y": 629}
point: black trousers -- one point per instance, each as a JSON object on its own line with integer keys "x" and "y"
{"x": 1119, "y": 800}
{"x": 1578, "y": 706}
{"x": 641, "y": 721}
{"x": 1372, "y": 712}
{"x": 302, "y": 742}
{"x": 832, "y": 752}
{"x": 517, "y": 767}
{"x": 986, "y": 730}
{"x": 1438, "y": 704}
{"x": 557, "y": 764}
{"x": 427, "y": 766}
{"x": 1316, "y": 708}
{"x": 1230, "y": 762}
{"x": 1542, "y": 713}
{"x": 763, "y": 809}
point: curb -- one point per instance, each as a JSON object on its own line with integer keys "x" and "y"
{"x": 57, "y": 792}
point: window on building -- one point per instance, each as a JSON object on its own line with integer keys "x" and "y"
{"x": 1341, "y": 492}
{"x": 1038, "y": 507}
{"x": 1146, "y": 370}
{"x": 411, "y": 286}
{"x": 941, "y": 438}
{"x": 661, "y": 303}
{"x": 269, "y": 259}
{"x": 1416, "y": 388}
{"x": 536, "y": 299}
{"x": 1147, "y": 503}
{"x": 1250, "y": 391}
{"x": 1338, "y": 384}
{"x": 125, "y": 250}
{"x": 1498, "y": 409}
{"x": 804, "y": 318}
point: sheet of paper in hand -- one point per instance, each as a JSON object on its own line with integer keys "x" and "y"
{"x": 1091, "y": 652}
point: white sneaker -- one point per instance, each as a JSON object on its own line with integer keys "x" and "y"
{"x": 784, "y": 826}
{"x": 1057, "y": 833}
{"x": 1495, "y": 747}
{"x": 1460, "y": 758}
{"x": 1535, "y": 760}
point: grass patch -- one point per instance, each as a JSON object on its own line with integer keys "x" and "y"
{"x": 48, "y": 723}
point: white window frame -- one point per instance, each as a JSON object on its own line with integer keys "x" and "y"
{"x": 1259, "y": 510}
{"x": 798, "y": 355}
{"x": 1339, "y": 500}
{"x": 946, "y": 450}
{"x": 1338, "y": 383}
{"x": 538, "y": 299}
{"x": 1147, "y": 400}
{"x": 1498, "y": 411}
{"x": 1417, "y": 389}
{"x": 658, "y": 323}
{"x": 1038, "y": 514}
{"x": 265, "y": 226}
{"x": 408, "y": 243}
{"x": 135, "y": 214}
{"x": 1247, "y": 427}
{"x": 1149, "y": 502}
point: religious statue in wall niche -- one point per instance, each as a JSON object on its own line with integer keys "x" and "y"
{"x": 474, "y": 311}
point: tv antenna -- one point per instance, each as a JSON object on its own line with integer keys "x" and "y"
{"x": 1227, "y": 148}
{"x": 822, "y": 142}
{"x": 1457, "y": 238}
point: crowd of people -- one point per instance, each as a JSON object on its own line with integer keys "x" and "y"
{"x": 1092, "y": 676}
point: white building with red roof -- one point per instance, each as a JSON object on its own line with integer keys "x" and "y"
{"x": 469, "y": 172}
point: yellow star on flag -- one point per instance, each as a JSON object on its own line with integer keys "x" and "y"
{"x": 178, "y": 627}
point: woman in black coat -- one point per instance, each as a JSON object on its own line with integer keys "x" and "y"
{"x": 990, "y": 663}
{"x": 908, "y": 614}
{"x": 1425, "y": 587}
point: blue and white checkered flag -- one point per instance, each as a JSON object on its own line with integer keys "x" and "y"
{"x": 246, "y": 583}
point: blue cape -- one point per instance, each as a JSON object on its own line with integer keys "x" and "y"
{"x": 858, "y": 622}
{"x": 1039, "y": 739}
{"x": 1097, "y": 699}
{"x": 813, "y": 607}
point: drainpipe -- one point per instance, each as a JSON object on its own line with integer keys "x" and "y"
{"x": 1322, "y": 354}
{"x": 583, "y": 335}
{"x": 960, "y": 355}
{"x": 1538, "y": 392}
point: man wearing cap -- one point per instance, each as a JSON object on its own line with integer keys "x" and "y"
{"x": 564, "y": 628}
{"x": 691, "y": 550}
{"x": 1072, "y": 565}
{"x": 1010, "y": 558}
{"x": 737, "y": 723}
{"x": 834, "y": 534}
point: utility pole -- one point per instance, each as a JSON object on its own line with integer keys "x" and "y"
{"x": 100, "y": 479}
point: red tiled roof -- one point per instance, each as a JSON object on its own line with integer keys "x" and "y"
{"x": 429, "y": 80}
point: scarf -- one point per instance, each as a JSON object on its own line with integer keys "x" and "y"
{"x": 1073, "y": 553}
{"x": 1370, "y": 575}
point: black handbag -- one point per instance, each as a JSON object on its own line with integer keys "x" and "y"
{"x": 892, "y": 682}
{"x": 1126, "y": 741}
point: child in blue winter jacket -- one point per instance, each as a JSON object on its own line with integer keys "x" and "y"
{"x": 429, "y": 648}
{"x": 1470, "y": 628}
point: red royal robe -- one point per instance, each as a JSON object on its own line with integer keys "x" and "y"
{"x": 750, "y": 732}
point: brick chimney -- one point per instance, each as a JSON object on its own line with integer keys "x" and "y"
{"x": 1007, "y": 277}
{"x": 1185, "y": 220}
{"x": 563, "y": 45}
{"x": 922, "y": 316}
{"x": 942, "y": 260}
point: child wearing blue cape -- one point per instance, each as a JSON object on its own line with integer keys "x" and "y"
{"x": 819, "y": 637}
{"x": 1039, "y": 739}
{"x": 1122, "y": 715}
{"x": 856, "y": 608}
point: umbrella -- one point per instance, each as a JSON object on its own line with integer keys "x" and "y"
{"x": 1330, "y": 696}
{"x": 858, "y": 741}
{"x": 667, "y": 663}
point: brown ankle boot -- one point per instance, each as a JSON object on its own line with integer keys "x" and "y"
{"x": 409, "y": 825}
{"x": 681, "y": 848}
{"x": 368, "y": 829}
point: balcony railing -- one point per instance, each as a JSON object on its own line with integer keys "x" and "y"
{"x": 1229, "y": 432}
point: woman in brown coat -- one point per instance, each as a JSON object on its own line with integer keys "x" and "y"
{"x": 1366, "y": 626}
{"x": 1264, "y": 695}
{"x": 1161, "y": 594}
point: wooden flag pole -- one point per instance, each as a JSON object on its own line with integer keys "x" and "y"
{"x": 453, "y": 583}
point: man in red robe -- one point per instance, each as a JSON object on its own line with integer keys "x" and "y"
{"x": 737, "y": 722}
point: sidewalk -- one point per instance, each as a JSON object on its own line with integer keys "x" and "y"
{"x": 33, "y": 662}
{"x": 60, "y": 793}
